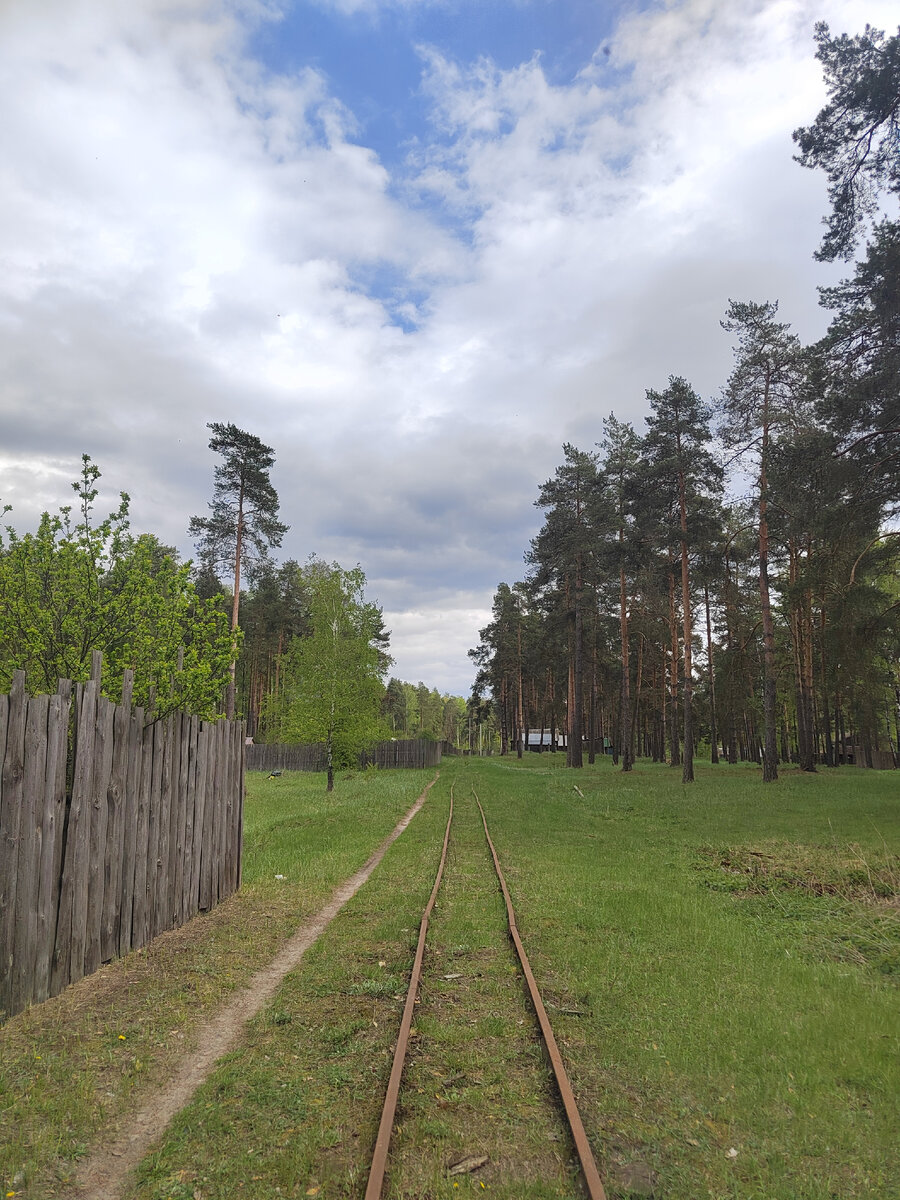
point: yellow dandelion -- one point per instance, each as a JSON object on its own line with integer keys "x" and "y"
{"x": 121, "y": 1037}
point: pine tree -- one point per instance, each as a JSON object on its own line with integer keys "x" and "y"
{"x": 243, "y": 522}
{"x": 758, "y": 400}
{"x": 686, "y": 477}
{"x": 856, "y": 136}
{"x": 858, "y": 364}
{"x": 499, "y": 657}
{"x": 621, "y": 455}
{"x": 562, "y": 553}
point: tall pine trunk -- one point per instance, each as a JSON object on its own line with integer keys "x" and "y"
{"x": 687, "y": 775}
{"x": 770, "y": 748}
{"x": 674, "y": 740}
{"x": 520, "y": 715}
{"x": 713, "y": 728}
{"x": 235, "y": 606}
{"x": 627, "y": 760}
{"x": 575, "y": 751}
{"x": 576, "y": 723}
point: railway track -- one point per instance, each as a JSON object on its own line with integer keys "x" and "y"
{"x": 591, "y": 1177}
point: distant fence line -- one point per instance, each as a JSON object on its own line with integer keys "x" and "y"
{"x": 111, "y": 831}
{"x": 411, "y": 752}
{"x": 306, "y": 757}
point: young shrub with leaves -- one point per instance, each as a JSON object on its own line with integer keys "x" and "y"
{"x": 68, "y": 589}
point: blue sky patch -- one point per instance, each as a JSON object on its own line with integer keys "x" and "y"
{"x": 373, "y": 65}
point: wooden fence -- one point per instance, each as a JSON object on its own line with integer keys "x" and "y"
{"x": 412, "y": 752}
{"x": 285, "y": 758}
{"x": 111, "y": 830}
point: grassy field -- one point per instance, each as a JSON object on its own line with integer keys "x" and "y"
{"x": 733, "y": 950}
{"x": 74, "y": 1068}
{"x": 720, "y": 964}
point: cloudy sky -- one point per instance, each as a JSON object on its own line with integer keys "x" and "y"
{"x": 414, "y": 245}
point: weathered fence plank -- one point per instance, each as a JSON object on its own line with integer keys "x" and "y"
{"x": 237, "y": 849}
{"x": 12, "y": 780}
{"x": 79, "y": 860}
{"x": 199, "y": 816}
{"x": 142, "y": 852}
{"x": 99, "y": 811}
{"x": 177, "y": 828}
{"x": 206, "y": 840}
{"x": 189, "y": 783}
{"x": 130, "y": 822}
{"x": 155, "y": 812}
{"x": 223, "y": 812}
{"x": 115, "y": 836}
{"x": 161, "y": 885}
{"x": 29, "y": 857}
{"x": 239, "y": 868}
{"x": 52, "y": 827}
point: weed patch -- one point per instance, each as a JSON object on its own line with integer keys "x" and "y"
{"x": 844, "y": 900}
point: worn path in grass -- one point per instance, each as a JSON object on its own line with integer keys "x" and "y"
{"x": 294, "y": 1110}
{"x": 102, "y": 1176}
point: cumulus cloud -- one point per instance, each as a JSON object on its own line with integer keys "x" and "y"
{"x": 187, "y": 236}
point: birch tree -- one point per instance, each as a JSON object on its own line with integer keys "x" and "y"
{"x": 335, "y": 675}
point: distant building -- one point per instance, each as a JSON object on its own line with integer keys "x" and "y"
{"x": 539, "y": 739}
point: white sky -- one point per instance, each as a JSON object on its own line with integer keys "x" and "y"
{"x": 191, "y": 231}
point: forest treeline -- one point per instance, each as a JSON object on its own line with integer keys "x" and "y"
{"x": 659, "y": 611}
{"x": 301, "y": 656}
{"x": 306, "y": 654}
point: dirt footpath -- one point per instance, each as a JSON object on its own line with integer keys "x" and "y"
{"x": 102, "y": 1176}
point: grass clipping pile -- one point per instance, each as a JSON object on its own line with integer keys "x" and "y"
{"x": 846, "y": 902}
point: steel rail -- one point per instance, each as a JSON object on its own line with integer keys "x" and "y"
{"x": 582, "y": 1145}
{"x": 388, "y": 1112}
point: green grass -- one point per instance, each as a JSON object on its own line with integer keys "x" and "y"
{"x": 305, "y": 1092}
{"x": 77, "y": 1065}
{"x": 713, "y": 1022}
{"x": 718, "y": 961}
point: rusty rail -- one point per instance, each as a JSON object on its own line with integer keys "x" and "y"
{"x": 585, "y": 1155}
{"x": 382, "y": 1142}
